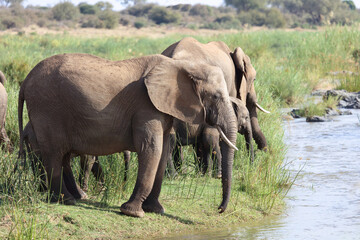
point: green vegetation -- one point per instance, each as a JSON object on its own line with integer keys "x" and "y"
{"x": 318, "y": 109}
{"x": 236, "y": 15}
{"x": 289, "y": 65}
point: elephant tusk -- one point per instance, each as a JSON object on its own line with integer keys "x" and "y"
{"x": 223, "y": 136}
{"x": 260, "y": 108}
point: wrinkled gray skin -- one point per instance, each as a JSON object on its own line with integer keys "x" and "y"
{"x": 34, "y": 153}
{"x": 79, "y": 103}
{"x": 4, "y": 139}
{"x": 209, "y": 143}
{"x": 88, "y": 163}
{"x": 239, "y": 76}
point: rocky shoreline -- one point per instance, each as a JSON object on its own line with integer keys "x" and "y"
{"x": 346, "y": 100}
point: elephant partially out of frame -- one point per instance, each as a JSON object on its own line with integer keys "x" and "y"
{"x": 83, "y": 104}
{"x": 4, "y": 139}
{"x": 239, "y": 77}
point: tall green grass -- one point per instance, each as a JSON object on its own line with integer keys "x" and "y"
{"x": 289, "y": 65}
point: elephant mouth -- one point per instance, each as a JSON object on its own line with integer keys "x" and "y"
{"x": 226, "y": 140}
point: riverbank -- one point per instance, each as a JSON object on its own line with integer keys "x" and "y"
{"x": 289, "y": 66}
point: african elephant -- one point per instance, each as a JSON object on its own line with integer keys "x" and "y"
{"x": 83, "y": 104}
{"x": 209, "y": 139}
{"x": 238, "y": 72}
{"x": 4, "y": 139}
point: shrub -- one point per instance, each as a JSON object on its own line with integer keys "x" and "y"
{"x": 140, "y": 10}
{"x": 182, "y": 7}
{"x": 65, "y": 11}
{"x": 87, "y": 8}
{"x": 92, "y": 22}
{"x": 274, "y": 18}
{"x": 201, "y": 10}
{"x": 253, "y": 17}
{"x": 16, "y": 70}
{"x": 109, "y": 18}
{"x": 124, "y": 21}
{"x": 226, "y": 18}
{"x": 139, "y": 24}
{"x": 162, "y": 15}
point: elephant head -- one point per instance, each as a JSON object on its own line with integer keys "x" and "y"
{"x": 244, "y": 124}
{"x": 195, "y": 93}
{"x": 245, "y": 77}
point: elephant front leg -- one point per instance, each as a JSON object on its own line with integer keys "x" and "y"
{"x": 148, "y": 144}
{"x": 152, "y": 204}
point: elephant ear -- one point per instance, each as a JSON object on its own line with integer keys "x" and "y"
{"x": 239, "y": 108}
{"x": 245, "y": 73}
{"x": 173, "y": 88}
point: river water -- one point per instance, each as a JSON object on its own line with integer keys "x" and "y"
{"x": 324, "y": 202}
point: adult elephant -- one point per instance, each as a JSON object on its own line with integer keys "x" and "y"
{"x": 83, "y": 104}
{"x": 4, "y": 139}
{"x": 239, "y": 77}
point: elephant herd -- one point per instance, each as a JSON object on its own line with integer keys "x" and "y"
{"x": 83, "y": 105}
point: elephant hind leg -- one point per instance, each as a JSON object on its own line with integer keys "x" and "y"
{"x": 69, "y": 179}
{"x": 55, "y": 175}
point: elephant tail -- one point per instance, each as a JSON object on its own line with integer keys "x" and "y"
{"x": 20, "y": 120}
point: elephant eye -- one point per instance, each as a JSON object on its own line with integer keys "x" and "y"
{"x": 217, "y": 96}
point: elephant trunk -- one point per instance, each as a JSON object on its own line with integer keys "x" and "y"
{"x": 2, "y": 78}
{"x": 227, "y": 153}
{"x": 248, "y": 138}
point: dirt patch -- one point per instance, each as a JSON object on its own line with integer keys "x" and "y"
{"x": 123, "y": 31}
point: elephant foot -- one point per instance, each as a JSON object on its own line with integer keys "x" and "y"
{"x": 83, "y": 194}
{"x": 129, "y": 209}
{"x": 153, "y": 206}
{"x": 66, "y": 201}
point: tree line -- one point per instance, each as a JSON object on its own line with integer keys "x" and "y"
{"x": 235, "y": 14}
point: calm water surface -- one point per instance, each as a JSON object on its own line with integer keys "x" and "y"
{"x": 324, "y": 203}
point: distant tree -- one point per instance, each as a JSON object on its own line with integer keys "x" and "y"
{"x": 246, "y": 5}
{"x": 87, "y": 8}
{"x": 103, "y": 6}
{"x": 318, "y": 10}
{"x": 132, "y": 2}
{"x": 65, "y": 11}
{"x": 350, "y": 3}
{"x": 163, "y": 15}
{"x": 7, "y": 3}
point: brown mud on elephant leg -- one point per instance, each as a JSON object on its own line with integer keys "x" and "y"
{"x": 148, "y": 140}
{"x": 152, "y": 204}
{"x": 69, "y": 180}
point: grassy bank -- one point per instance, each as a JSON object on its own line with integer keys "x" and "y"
{"x": 289, "y": 65}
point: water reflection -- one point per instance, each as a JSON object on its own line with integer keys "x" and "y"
{"x": 325, "y": 201}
